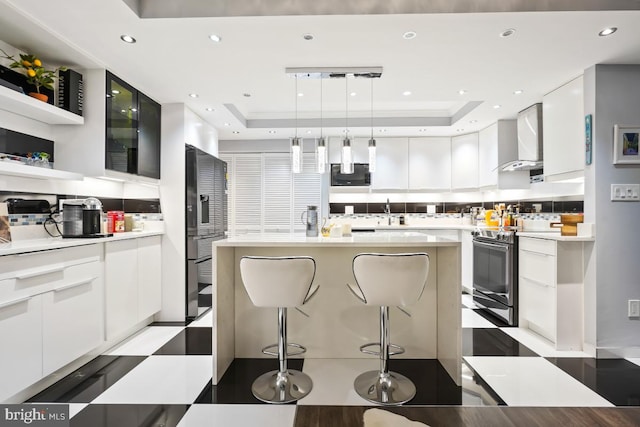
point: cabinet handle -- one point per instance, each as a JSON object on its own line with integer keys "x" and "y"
{"x": 536, "y": 253}
{"x": 37, "y": 273}
{"x": 536, "y": 282}
{"x": 14, "y": 302}
{"x": 74, "y": 285}
{"x": 25, "y": 254}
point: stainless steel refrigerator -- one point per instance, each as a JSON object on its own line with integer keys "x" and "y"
{"x": 206, "y": 221}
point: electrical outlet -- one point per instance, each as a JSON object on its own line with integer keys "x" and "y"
{"x": 634, "y": 308}
{"x": 625, "y": 192}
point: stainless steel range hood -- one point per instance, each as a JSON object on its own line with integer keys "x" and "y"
{"x": 529, "y": 141}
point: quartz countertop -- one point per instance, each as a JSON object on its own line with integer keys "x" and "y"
{"x": 383, "y": 239}
{"x": 34, "y": 245}
{"x": 555, "y": 236}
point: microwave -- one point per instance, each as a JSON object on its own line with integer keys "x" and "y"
{"x": 359, "y": 178}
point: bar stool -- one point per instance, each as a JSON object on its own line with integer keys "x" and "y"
{"x": 280, "y": 282}
{"x": 387, "y": 280}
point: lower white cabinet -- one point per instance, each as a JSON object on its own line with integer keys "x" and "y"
{"x": 72, "y": 317}
{"x": 132, "y": 283}
{"x": 21, "y": 354}
{"x": 551, "y": 290}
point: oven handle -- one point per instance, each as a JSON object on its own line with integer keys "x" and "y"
{"x": 496, "y": 247}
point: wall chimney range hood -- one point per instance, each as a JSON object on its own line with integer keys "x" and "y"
{"x": 529, "y": 126}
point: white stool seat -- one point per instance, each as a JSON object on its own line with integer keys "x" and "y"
{"x": 387, "y": 280}
{"x": 280, "y": 282}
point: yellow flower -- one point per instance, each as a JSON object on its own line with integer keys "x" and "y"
{"x": 37, "y": 63}
{"x": 26, "y": 63}
{"x": 31, "y": 73}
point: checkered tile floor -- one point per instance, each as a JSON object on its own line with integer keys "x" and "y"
{"x": 162, "y": 376}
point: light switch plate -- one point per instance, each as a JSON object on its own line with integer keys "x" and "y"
{"x": 634, "y": 308}
{"x": 625, "y": 192}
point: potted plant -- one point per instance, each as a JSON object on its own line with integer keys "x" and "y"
{"x": 36, "y": 74}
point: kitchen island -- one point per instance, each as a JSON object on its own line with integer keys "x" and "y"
{"x": 339, "y": 323}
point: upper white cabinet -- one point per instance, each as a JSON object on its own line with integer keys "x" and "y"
{"x": 392, "y": 164}
{"x": 359, "y": 148}
{"x": 464, "y": 162}
{"x": 498, "y": 144}
{"x": 563, "y": 131}
{"x": 430, "y": 164}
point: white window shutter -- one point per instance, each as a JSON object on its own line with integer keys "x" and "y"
{"x": 247, "y": 192}
{"x": 306, "y": 190}
{"x": 277, "y": 192}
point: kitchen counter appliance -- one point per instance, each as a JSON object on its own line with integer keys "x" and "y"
{"x": 495, "y": 273}
{"x": 206, "y": 221}
{"x": 81, "y": 217}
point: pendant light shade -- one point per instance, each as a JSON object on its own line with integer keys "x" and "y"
{"x": 296, "y": 155}
{"x": 346, "y": 164}
{"x": 322, "y": 155}
{"x": 372, "y": 142}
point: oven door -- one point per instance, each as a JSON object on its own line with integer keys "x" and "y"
{"x": 493, "y": 264}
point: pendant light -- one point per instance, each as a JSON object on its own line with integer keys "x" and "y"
{"x": 372, "y": 142}
{"x": 322, "y": 153}
{"x": 346, "y": 165}
{"x": 296, "y": 143}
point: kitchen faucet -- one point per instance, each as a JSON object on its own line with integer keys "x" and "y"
{"x": 387, "y": 210}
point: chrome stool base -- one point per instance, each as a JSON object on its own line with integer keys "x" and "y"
{"x": 387, "y": 389}
{"x": 277, "y": 387}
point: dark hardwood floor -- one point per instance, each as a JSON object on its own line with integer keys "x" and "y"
{"x": 352, "y": 416}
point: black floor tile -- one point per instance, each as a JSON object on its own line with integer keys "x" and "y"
{"x": 491, "y": 342}
{"x": 235, "y": 385}
{"x": 433, "y": 384}
{"x": 90, "y": 380}
{"x": 130, "y": 416}
{"x": 488, "y": 314}
{"x": 190, "y": 341}
{"x": 617, "y": 380}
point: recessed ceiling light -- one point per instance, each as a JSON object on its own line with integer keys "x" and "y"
{"x": 383, "y": 130}
{"x": 236, "y": 132}
{"x": 115, "y": 91}
{"x": 459, "y": 130}
{"x": 308, "y": 132}
{"x": 300, "y": 94}
{"x": 406, "y": 93}
{"x": 508, "y": 32}
{"x": 127, "y": 38}
{"x": 246, "y": 95}
{"x": 307, "y": 36}
{"x": 193, "y": 95}
{"x": 210, "y": 109}
{"x": 473, "y": 121}
{"x": 409, "y": 35}
{"x": 215, "y": 38}
{"x": 353, "y": 94}
{"x": 227, "y": 124}
{"x": 345, "y": 131}
{"x": 462, "y": 92}
{"x": 272, "y": 131}
{"x": 517, "y": 92}
{"x": 497, "y": 106}
{"x": 607, "y": 31}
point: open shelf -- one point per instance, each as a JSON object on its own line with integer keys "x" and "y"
{"x": 24, "y": 105}
{"x": 26, "y": 171}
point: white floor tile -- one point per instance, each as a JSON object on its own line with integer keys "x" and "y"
{"x": 145, "y": 342}
{"x": 634, "y": 360}
{"x": 533, "y": 381}
{"x": 239, "y": 415}
{"x": 467, "y": 301}
{"x": 540, "y": 345}
{"x": 333, "y": 380}
{"x": 204, "y": 321}
{"x": 207, "y": 291}
{"x": 471, "y": 319}
{"x": 161, "y": 379}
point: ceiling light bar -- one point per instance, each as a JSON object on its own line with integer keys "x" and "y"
{"x": 333, "y": 73}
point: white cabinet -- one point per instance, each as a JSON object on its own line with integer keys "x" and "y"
{"x": 467, "y": 260}
{"x": 430, "y": 164}
{"x": 72, "y": 316}
{"x": 21, "y": 332}
{"x": 132, "y": 283}
{"x": 563, "y": 131}
{"x": 497, "y": 144}
{"x": 359, "y": 148}
{"x": 149, "y": 276}
{"x": 550, "y": 290}
{"x": 121, "y": 286}
{"x": 464, "y": 162}
{"x": 392, "y": 164}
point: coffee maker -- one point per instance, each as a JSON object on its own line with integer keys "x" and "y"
{"x": 81, "y": 217}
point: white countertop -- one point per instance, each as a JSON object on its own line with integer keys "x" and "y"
{"x": 555, "y": 236}
{"x": 390, "y": 239}
{"x": 34, "y": 245}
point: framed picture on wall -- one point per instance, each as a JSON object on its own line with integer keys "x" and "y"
{"x": 625, "y": 145}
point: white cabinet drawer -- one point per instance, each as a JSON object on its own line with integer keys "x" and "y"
{"x": 543, "y": 246}
{"x": 32, "y": 263}
{"x": 537, "y": 267}
{"x": 538, "y": 307}
{"x": 21, "y": 354}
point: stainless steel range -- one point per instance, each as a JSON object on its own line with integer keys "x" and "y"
{"x": 495, "y": 273}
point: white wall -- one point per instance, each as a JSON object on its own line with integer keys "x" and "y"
{"x": 615, "y": 91}
{"x": 180, "y": 126}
